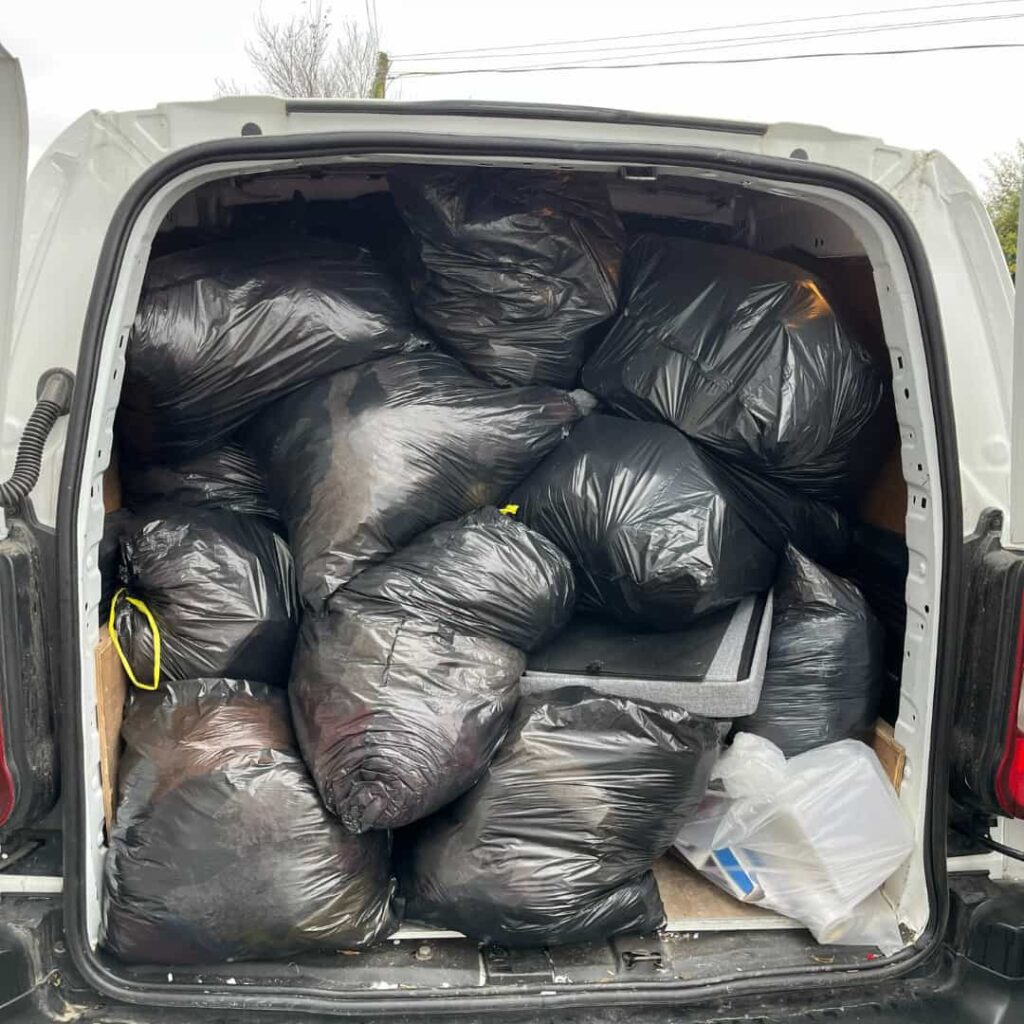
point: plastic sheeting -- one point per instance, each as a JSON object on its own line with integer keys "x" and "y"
{"x": 743, "y": 353}
{"x": 221, "y": 848}
{"x": 825, "y": 671}
{"x": 226, "y": 479}
{"x": 224, "y": 329}
{"x": 556, "y": 842}
{"x": 655, "y": 538}
{"x": 812, "y": 838}
{"x": 402, "y": 693}
{"x": 514, "y": 267}
{"x": 362, "y": 462}
{"x": 221, "y": 590}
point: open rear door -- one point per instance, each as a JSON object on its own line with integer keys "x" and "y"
{"x": 988, "y": 750}
{"x": 28, "y": 765}
{"x": 13, "y": 170}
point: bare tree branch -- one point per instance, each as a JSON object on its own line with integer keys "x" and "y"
{"x": 305, "y": 57}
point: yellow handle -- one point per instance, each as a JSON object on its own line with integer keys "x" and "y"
{"x": 509, "y": 510}
{"x": 136, "y": 603}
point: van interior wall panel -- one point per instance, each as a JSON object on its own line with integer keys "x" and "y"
{"x": 844, "y": 253}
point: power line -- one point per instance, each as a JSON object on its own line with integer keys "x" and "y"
{"x": 708, "y": 28}
{"x": 720, "y": 60}
{"x": 738, "y": 42}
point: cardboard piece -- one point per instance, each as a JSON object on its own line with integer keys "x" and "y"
{"x": 692, "y": 902}
{"x": 111, "y": 690}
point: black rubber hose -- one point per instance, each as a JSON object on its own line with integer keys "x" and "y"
{"x": 29, "y": 459}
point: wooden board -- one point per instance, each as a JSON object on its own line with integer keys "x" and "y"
{"x": 885, "y": 501}
{"x": 111, "y": 690}
{"x": 890, "y": 753}
{"x": 692, "y": 903}
{"x": 112, "y": 486}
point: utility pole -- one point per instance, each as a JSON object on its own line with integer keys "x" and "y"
{"x": 380, "y": 78}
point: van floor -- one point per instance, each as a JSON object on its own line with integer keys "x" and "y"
{"x": 709, "y": 936}
{"x": 453, "y": 964}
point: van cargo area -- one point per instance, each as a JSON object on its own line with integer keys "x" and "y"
{"x": 894, "y": 556}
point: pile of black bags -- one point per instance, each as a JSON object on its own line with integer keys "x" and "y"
{"x": 447, "y": 497}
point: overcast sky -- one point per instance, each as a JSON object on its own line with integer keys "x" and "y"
{"x": 124, "y": 54}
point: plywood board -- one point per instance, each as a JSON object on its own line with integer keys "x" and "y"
{"x": 112, "y": 486}
{"x": 692, "y": 903}
{"x": 890, "y": 753}
{"x": 111, "y": 689}
{"x": 885, "y": 500}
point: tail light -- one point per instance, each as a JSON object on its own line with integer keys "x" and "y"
{"x": 1010, "y": 774}
{"x": 6, "y": 781}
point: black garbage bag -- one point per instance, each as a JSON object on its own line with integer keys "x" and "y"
{"x": 825, "y": 672}
{"x": 653, "y": 529}
{"x": 403, "y": 691}
{"x": 116, "y": 525}
{"x": 484, "y": 574}
{"x": 514, "y": 267}
{"x": 224, "y": 329}
{"x": 221, "y": 849}
{"x": 818, "y": 528}
{"x": 555, "y": 844}
{"x": 743, "y": 353}
{"x": 221, "y": 590}
{"x": 362, "y": 462}
{"x": 227, "y": 480}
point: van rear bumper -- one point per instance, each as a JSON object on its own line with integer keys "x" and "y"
{"x": 977, "y": 975}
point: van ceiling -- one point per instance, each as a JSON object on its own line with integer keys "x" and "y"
{"x": 742, "y": 215}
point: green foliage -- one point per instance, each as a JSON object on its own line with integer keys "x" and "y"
{"x": 1002, "y": 198}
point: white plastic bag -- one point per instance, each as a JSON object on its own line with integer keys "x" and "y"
{"x": 812, "y": 838}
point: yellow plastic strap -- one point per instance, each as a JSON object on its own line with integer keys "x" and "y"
{"x": 509, "y": 510}
{"x": 154, "y": 629}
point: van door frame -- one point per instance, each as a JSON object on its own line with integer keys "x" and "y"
{"x": 323, "y": 146}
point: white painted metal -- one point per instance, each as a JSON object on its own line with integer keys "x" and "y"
{"x": 13, "y": 167}
{"x": 1017, "y": 535}
{"x": 30, "y": 884}
{"x": 990, "y": 863}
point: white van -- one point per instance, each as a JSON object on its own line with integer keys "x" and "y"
{"x": 902, "y": 233}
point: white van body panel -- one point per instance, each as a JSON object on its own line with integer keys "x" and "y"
{"x": 13, "y": 158}
{"x": 77, "y": 184}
